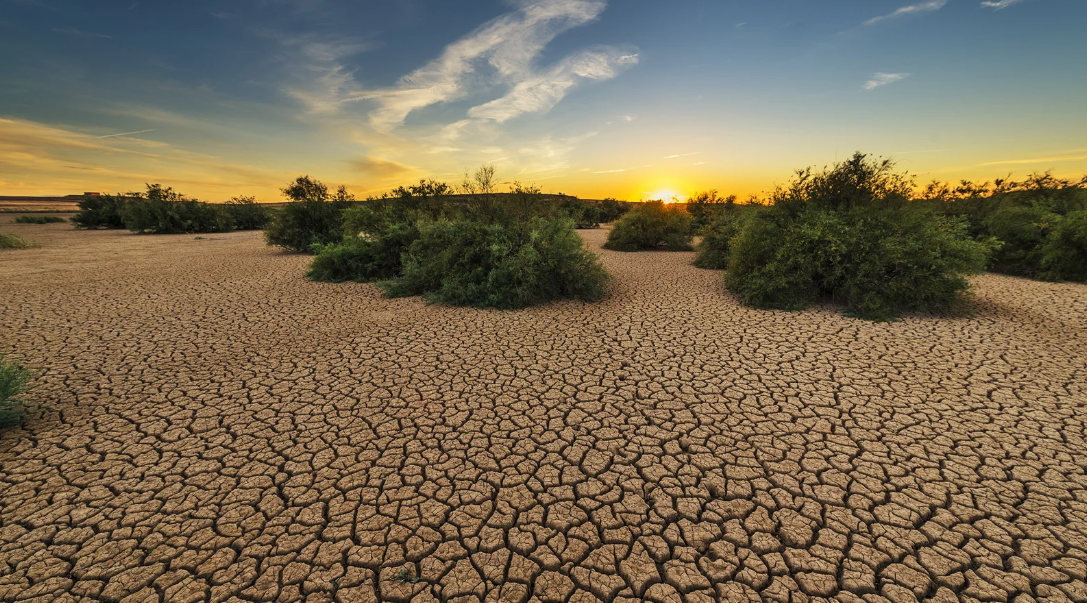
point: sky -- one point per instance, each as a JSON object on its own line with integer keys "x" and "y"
{"x": 633, "y": 99}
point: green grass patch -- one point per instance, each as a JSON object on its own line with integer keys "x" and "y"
{"x": 13, "y": 383}
{"x": 13, "y": 242}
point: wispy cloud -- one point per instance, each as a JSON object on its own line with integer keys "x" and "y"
{"x": 508, "y": 44}
{"x": 126, "y": 133}
{"x": 611, "y": 171}
{"x": 882, "y": 79}
{"x": 1074, "y": 155}
{"x": 502, "y": 52}
{"x": 913, "y": 9}
{"x": 541, "y": 92}
{"x": 682, "y": 155}
{"x": 999, "y": 4}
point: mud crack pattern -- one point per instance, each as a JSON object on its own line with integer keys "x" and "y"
{"x": 219, "y": 429}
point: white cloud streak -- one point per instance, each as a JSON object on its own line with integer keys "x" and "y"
{"x": 999, "y": 4}
{"x": 540, "y": 92}
{"x": 882, "y": 79}
{"x": 126, "y": 133}
{"x": 913, "y": 9}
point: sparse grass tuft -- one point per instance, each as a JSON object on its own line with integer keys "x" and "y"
{"x": 13, "y": 380}
{"x": 38, "y": 220}
{"x": 14, "y": 242}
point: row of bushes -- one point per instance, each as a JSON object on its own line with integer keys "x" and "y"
{"x": 165, "y": 211}
{"x": 481, "y": 249}
{"x": 1040, "y": 223}
{"x": 849, "y": 234}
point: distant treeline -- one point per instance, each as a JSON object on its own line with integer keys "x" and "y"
{"x": 161, "y": 210}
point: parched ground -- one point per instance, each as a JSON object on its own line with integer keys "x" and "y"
{"x": 218, "y": 428}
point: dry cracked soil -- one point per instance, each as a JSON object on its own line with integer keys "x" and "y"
{"x": 210, "y": 426}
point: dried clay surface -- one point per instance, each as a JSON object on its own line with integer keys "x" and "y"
{"x": 219, "y": 429}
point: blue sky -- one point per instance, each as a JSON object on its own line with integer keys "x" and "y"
{"x": 627, "y": 98}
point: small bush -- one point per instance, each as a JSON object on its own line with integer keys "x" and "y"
{"x": 100, "y": 211}
{"x": 653, "y": 225}
{"x": 13, "y": 242}
{"x": 246, "y": 214}
{"x": 38, "y": 220}
{"x": 312, "y": 219}
{"x": 713, "y": 249}
{"x": 469, "y": 262}
{"x": 165, "y": 211}
{"x": 1064, "y": 253}
{"x": 13, "y": 380}
{"x": 851, "y": 234}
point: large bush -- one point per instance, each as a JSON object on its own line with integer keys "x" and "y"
{"x": 313, "y": 218}
{"x": 100, "y": 211}
{"x": 1034, "y": 222}
{"x": 482, "y": 249}
{"x": 713, "y": 249}
{"x": 584, "y": 213}
{"x": 1064, "y": 253}
{"x": 652, "y": 225}
{"x": 469, "y": 262}
{"x": 851, "y": 234}
{"x": 13, "y": 380}
{"x": 166, "y": 211}
{"x": 246, "y": 214}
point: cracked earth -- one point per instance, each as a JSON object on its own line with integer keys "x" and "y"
{"x": 212, "y": 427}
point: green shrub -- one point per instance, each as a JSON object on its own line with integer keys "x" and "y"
{"x": 583, "y": 213}
{"x": 364, "y": 259}
{"x": 851, "y": 234}
{"x": 13, "y": 242}
{"x": 470, "y": 262}
{"x": 312, "y": 218}
{"x": 713, "y": 249}
{"x": 246, "y": 214}
{"x": 1064, "y": 253}
{"x": 1027, "y": 218}
{"x": 706, "y": 206}
{"x": 100, "y": 211}
{"x": 1022, "y": 230}
{"x": 13, "y": 380}
{"x": 165, "y": 211}
{"x": 612, "y": 209}
{"x": 38, "y": 220}
{"x": 652, "y": 225}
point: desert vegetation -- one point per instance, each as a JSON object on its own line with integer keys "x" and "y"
{"x": 13, "y": 382}
{"x": 8, "y": 241}
{"x": 162, "y": 210}
{"x": 312, "y": 218}
{"x": 38, "y": 220}
{"x": 486, "y": 250}
{"x": 850, "y": 234}
{"x": 652, "y": 225}
{"x": 1038, "y": 225}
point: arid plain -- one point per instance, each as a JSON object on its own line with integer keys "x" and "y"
{"x": 212, "y": 426}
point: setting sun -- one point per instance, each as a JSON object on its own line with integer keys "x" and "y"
{"x": 667, "y": 195}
